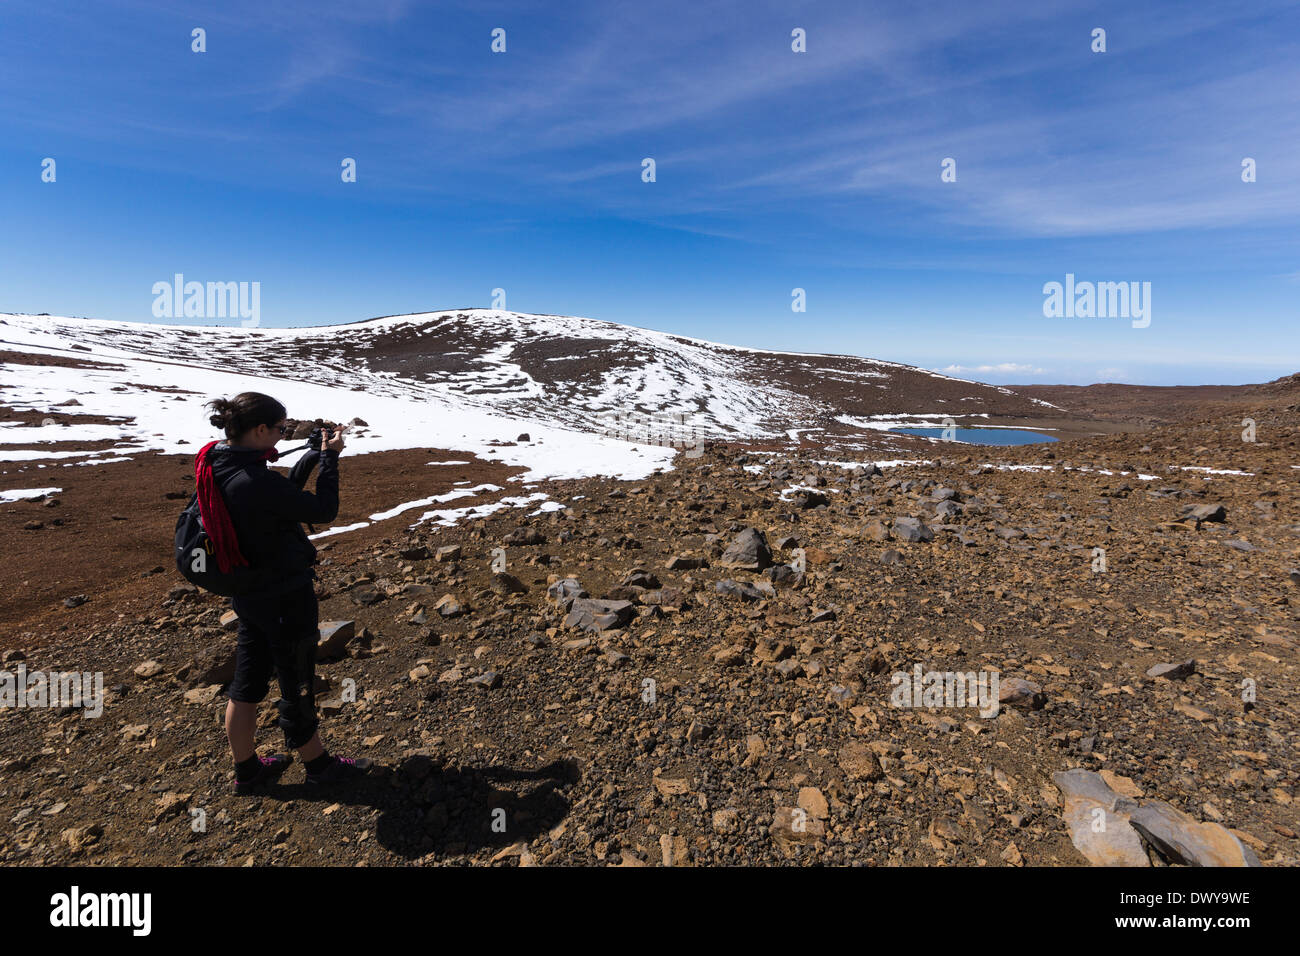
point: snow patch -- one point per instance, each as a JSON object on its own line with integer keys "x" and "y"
{"x": 25, "y": 494}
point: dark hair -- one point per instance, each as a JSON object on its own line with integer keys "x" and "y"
{"x": 245, "y": 411}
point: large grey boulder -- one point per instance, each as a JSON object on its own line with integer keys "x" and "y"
{"x": 592, "y": 614}
{"x": 748, "y": 551}
{"x": 1114, "y": 830}
{"x": 912, "y": 530}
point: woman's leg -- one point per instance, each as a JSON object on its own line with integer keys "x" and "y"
{"x": 294, "y": 652}
{"x": 241, "y": 724}
{"x": 258, "y": 620}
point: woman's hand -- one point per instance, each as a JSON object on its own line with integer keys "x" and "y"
{"x": 335, "y": 441}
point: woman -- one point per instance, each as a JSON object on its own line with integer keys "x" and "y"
{"x": 278, "y": 624}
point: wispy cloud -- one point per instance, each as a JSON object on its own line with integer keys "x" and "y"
{"x": 1003, "y": 368}
{"x": 1050, "y": 139}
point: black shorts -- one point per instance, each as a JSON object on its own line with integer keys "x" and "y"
{"x": 278, "y": 632}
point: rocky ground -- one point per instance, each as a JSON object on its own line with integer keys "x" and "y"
{"x": 661, "y": 675}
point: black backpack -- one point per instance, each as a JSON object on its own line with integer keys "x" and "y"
{"x": 197, "y": 560}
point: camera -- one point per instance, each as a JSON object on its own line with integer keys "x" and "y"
{"x": 318, "y": 435}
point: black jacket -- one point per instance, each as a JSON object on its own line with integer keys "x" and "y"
{"x": 267, "y": 509}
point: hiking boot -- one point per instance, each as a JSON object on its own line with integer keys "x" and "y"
{"x": 272, "y": 767}
{"x": 341, "y": 769}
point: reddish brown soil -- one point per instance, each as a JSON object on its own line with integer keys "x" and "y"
{"x": 37, "y": 417}
{"x": 112, "y": 559}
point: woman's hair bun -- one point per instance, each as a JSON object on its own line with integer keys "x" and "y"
{"x": 221, "y": 413}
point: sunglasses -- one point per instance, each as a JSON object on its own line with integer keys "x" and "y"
{"x": 282, "y": 429}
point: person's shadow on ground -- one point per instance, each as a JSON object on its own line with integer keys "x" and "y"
{"x": 430, "y": 806}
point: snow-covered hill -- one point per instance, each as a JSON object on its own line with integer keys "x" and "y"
{"x": 465, "y": 379}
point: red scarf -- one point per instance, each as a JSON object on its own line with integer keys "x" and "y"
{"x": 213, "y": 513}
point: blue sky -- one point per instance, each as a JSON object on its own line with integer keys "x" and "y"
{"x": 775, "y": 170}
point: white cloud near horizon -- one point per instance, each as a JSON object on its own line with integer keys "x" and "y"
{"x": 1003, "y": 368}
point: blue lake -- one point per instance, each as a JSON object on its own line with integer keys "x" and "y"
{"x": 983, "y": 436}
